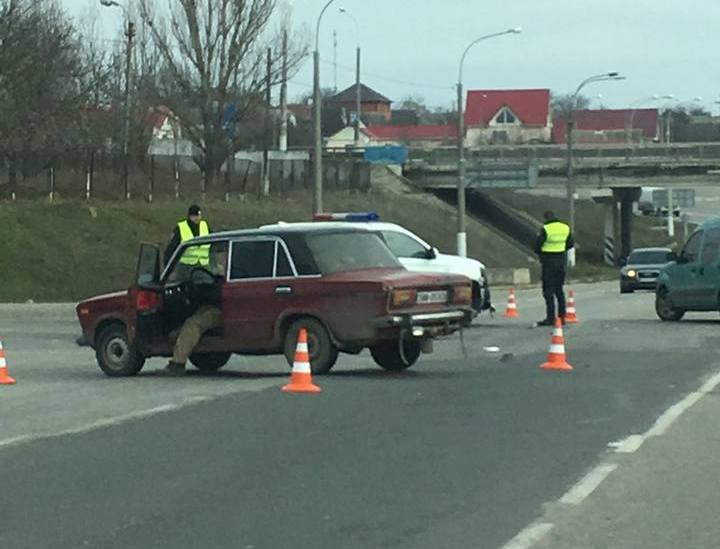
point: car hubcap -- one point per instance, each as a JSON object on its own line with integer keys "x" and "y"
{"x": 117, "y": 352}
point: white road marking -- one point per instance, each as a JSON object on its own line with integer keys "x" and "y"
{"x": 671, "y": 414}
{"x": 132, "y": 416}
{"x": 587, "y": 484}
{"x": 710, "y": 384}
{"x": 628, "y": 445}
{"x": 529, "y": 536}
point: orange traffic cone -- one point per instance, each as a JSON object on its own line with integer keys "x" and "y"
{"x": 570, "y": 312}
{"x": 512, "y": 309}
{"x": 5, "y": 378}
{"x": 556, "y": 355}
{"x": 301, "y": 376}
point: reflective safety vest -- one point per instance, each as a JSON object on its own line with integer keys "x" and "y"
{"x": 194, "y": 255}
{"x": 557, "y": 234}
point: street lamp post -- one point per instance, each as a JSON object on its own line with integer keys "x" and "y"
{"x": 129, "y": 33}
{"x": 358, "y": 105}
{"x": 461, "y": 232}
{"x": 317, "y": 110}
{"x": 569, "y": 140}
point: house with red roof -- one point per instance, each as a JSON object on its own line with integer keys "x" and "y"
{"x": 507, "y": 117}
{"x": 610, "y": 126}
{"x": 418, "y": 135}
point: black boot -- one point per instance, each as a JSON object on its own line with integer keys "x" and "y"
{"x": 546, "y": 322}
{"x": 173, "y": 369}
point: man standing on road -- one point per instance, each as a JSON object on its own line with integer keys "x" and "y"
{"x": 206, "y": 296}
{"x": 194, "y": 225}
{"x": 552, "y": 244}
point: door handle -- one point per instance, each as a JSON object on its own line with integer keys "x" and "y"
{"x": 283, "y": 290}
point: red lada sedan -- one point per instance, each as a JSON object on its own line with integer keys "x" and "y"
{"x": 344, "y": 286}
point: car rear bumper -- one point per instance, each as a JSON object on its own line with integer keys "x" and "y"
{"x": 427, "y": 324}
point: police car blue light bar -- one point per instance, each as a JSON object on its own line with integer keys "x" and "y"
{"x": 347, "y": 216}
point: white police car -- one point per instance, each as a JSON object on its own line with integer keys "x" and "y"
{"x": 417, "y": 255}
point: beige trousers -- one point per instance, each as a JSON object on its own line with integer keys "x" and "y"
{"x": 205, "y": 318}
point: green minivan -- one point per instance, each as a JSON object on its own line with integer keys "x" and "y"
{"x": 692, "y": 281}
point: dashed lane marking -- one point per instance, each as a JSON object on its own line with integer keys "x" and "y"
{"x": 587, "y": 484}
{"x": 529, "y": 536}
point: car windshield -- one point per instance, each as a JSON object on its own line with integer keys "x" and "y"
{"x": 338, "y": 252}
{"x": 653, "y": 257}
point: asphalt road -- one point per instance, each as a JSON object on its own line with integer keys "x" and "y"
{"x": 477, "y": 451}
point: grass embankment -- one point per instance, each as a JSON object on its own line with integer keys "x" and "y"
{"x": 70, "y": 250}
{"x": 590, "y": 223}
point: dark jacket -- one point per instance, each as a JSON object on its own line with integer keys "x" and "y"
{"x": 209, "y": 294}
{"x": 175, "y": 240}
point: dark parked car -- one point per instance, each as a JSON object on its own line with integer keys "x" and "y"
{"x": 643, "y": 267}
{"x": 343, "y": 285}
{"x": 692, "y": 282}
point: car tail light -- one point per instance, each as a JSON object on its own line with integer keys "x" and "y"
{"x": 402, "y": 298}
{"x": 147, "y": 301}
{"x": 462, "y": 294}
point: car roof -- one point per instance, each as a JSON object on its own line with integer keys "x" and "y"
{"x": 278, "y": 230}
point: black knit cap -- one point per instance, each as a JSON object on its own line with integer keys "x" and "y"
{"x": 194, "y": 210}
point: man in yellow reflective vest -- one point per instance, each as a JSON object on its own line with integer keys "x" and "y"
{"x": 552, "y": 244}
{"x": 194, "y": 225}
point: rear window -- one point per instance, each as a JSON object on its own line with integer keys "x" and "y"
{"x": 649, "y": 258}
{"x": 339, "y": 252}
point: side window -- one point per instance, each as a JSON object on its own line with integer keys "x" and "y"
{"x": 211, "y": 257}
{"x": 710, "y": 247}
{"x": 692, "y": 247}
{"x": 404, "y": 246}
{"x": 283, "y": 267}
{"x": 252, "y": 259}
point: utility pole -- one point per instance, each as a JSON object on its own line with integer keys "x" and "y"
{"x": 335, "y": 60}
{"x": 130, "y": 33}
{"x": 266, "y": 140}
{"x": 283, "y": 95}
{"x": 358, "y": 104}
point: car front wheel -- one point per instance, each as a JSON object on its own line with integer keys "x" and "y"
{"x": 665, "y": 309}
{"x": 626, "y": 289}
{"x": 210, "y": 362}
{"x": 115, "y": 356}
{"x": 323, "y": 352}
{"x": 396, "y": 355}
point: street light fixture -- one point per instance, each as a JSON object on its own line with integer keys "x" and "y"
{"x": 358, "y": 105}
{"x": 634, "y": 107}
{"x": 570, "y": 124}
{"x": 129, "y": 33}
{"x": 317, "y": 110}
{"x": 461, "y": 232}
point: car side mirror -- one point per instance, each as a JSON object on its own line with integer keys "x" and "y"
{"x": 672, "y": 256}
{"x": 682, "y": 259}
{"x": 431, "y": 253}
{"x": 623, "y": 261}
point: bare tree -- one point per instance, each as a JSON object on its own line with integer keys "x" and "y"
{"x": 212, "y": 75}
{"x": 41, "y": 72}
{"x": 562, "y": 104}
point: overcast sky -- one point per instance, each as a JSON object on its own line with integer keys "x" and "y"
{"x": 413, "y": 47}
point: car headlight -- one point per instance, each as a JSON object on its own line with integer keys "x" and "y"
{"x": 401, "y": 298}
{"x": 631, "y": 273}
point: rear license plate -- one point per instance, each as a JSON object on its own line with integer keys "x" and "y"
{"x": 439, "y": 296}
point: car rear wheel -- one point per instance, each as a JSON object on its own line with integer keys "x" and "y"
{"x": 396, "y": 355}
{"x": 665, "y": 309}
{"x": 210, "y": 362}
{"x": 323, "y": 352}
{"x": 115, "y": 356}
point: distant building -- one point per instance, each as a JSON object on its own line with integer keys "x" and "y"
{"x": 497, "y": 117}
{"x": 372, "y": 103}
{"x": 420, "y": 136}
{"x": 610, "y": 126}
{"x": 404, "y": 117}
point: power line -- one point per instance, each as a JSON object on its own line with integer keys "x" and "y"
{"x": 390, "y": 79}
